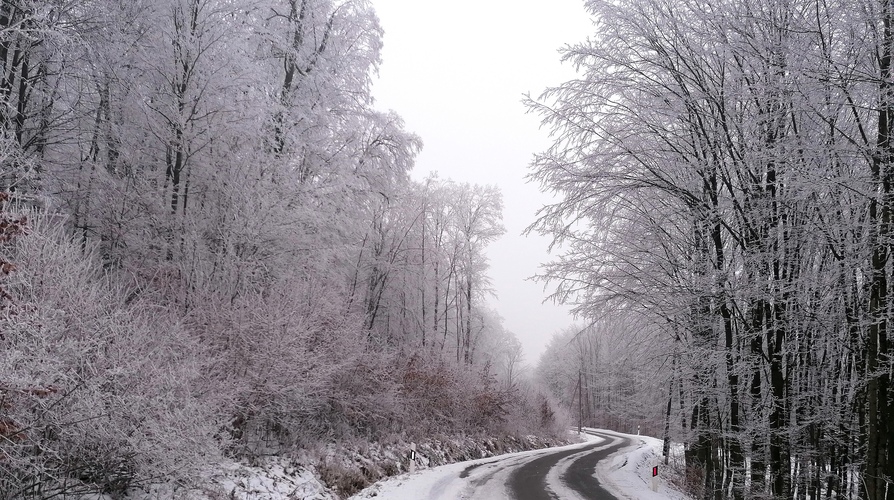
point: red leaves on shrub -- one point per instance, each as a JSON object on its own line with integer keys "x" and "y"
{"x": 10, "y": 227}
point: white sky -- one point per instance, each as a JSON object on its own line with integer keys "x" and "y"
{"x": 456, "y": 72}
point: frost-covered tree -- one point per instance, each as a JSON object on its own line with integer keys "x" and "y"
{"x": 230, "y": 232}
{"x": 719, "y": 173}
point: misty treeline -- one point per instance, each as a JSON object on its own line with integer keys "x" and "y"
{"x": 210, "y": 245}
{"x": 725, "y": 180}
{"x": 598, "y": 374}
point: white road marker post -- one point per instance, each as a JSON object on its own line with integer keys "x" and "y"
{"x": 654, "y": 476}
{"x": 412, "y": 457}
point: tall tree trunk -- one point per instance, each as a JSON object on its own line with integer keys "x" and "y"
{"x": 422, "y": 272}
{"x": 878, "y": 471}
{"x": 467, "y": 343}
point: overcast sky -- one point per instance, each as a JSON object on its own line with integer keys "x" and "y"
{"x": 456, "y": 72}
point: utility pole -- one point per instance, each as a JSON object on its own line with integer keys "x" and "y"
{"x": 580, "y": 404}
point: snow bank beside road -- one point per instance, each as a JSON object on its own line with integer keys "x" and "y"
{"x": 628, "y": 473}
{"x": 271, "y": 478}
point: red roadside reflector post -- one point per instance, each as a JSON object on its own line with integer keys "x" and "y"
{"x": 654, "y": 471}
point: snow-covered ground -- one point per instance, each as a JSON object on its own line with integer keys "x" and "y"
{"x": 273, "y": 478}
{"x": 626, "y": 474}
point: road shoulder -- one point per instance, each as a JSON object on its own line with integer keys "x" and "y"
{"x": 627, "y": 474}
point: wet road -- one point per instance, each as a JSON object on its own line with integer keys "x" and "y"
{"x": 529, "y": 482}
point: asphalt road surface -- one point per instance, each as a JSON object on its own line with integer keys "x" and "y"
{"x": 528, "y": 482}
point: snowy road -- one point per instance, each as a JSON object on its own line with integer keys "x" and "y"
{"x": 575, "y": 470}
{"x": 566, "y": 472}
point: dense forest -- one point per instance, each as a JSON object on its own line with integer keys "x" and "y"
{"x": 210, "y": 246}
{"x": 724, "y": 174}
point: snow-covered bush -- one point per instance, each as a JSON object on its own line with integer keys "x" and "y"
{"x": 100, "y": 390}
{"x": 532, "y": 411}
{"x": 281, "y": 349}
{"x": 366, "y": 399}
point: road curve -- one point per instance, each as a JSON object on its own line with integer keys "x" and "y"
{"x": 529, "y": 482}
{"x": 559, "y": 473}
